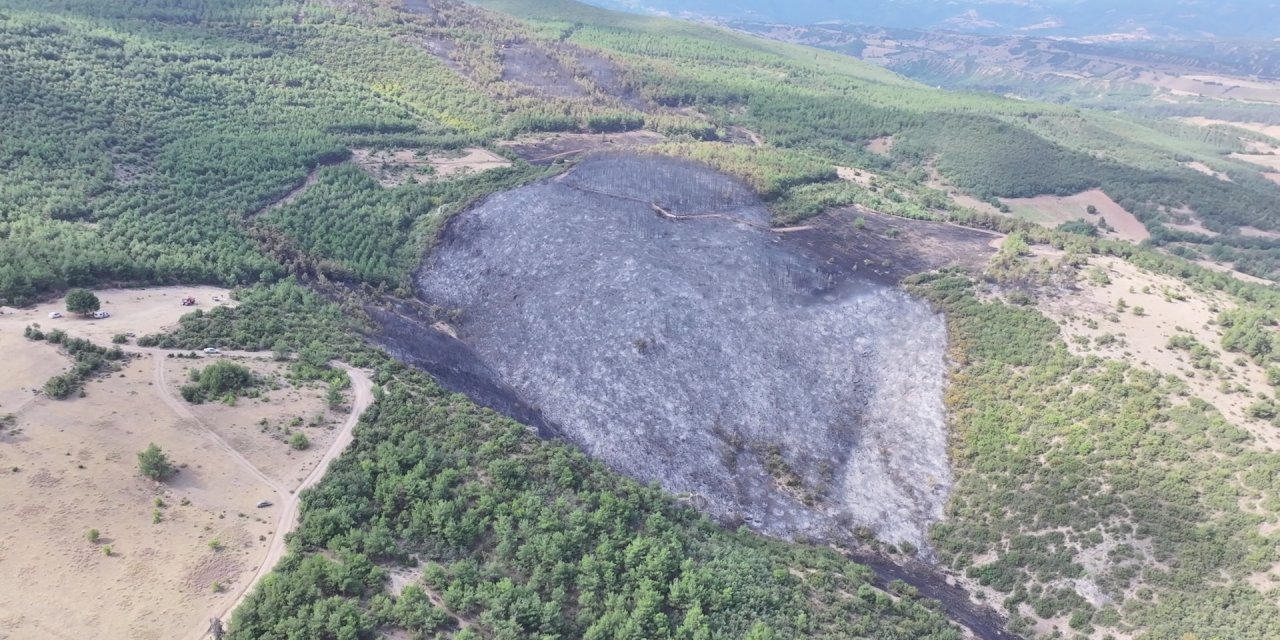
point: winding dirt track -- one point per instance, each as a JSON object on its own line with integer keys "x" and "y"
{"x": 361, "y": 385}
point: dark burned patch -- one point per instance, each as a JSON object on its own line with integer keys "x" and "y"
{"x": 527, "y": 64}
{"x": 443, "y": 48}
{"x": 547, "y": 149}
{"x": 610, "y": 78}
{"x": 888, "y": 248}
{"x": 408, "y": 334}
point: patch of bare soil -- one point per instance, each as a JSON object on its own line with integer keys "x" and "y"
{"x": 168, "y": 554}
{"x": 1267, "y": 160}
{"x": 1051, "y": 211}
{"x": 936, "y": 181}
{"x": 260, "y": 427}
{"x": 1207, "y": 170}
{"x": 393, "y": 168}
{"x": 140, "y": 311}
{"x": 1156, "y": 308}
{"x": 70, "y": 466}
{"x": 882, "y": 146}
{"x": 548, "y": 148}
{"x": 1274, "y": 177}
{"x": 27, "y": 366}
{"x": 889, "y": 248}
{"x": 849, "y": 174}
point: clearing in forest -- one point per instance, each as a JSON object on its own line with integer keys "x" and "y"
{"x": 1158, "y": 322}
{"x": 394, "y": 167}
{"x": 1052, "y": 211}
{"x": 168, "y": 555}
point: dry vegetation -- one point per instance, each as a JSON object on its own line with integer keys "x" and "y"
{"x": 1052, "y": 211}
{"x": 1132, "y": 314}
{"x": 393, "y": 168}
{"x": 179, "y": 550}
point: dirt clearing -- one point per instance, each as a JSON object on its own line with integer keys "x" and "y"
{"x": 394, "y": 167}
{"x": 180, "y": 551}
{"x": 882, "y": 146}
{"x": 140, "y": 311}
{"x": 1051, "y": 211}
{"x": 1155, "y": 309}
{"x": 1207, "y": 170}
{"x": 260, "y": 427}
{"x": 1269, "y": 161}
{"x": 70, "y": 466}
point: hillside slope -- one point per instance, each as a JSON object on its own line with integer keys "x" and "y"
{"x": 1097, "y": 492}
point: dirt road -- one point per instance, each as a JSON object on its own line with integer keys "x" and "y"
{"x": 362, "y": 387}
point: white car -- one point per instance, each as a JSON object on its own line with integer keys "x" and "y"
{"x": 54, "y": 315}
{"x": 211, "y": 350}
{"x": 99, "y": 315}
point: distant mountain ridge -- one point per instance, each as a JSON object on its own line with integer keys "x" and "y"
{"x": 1113, "y": 19}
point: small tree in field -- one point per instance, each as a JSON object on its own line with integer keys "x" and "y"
{"x": 82, "y": 301}
{"x": 154, "y": 464}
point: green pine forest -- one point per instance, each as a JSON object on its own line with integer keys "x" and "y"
{"x": 210, "y": 141}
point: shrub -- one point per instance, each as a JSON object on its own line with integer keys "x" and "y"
{"x": 154, "y": 464}
{"x": 299, "y": 441}
{"x": 119, "y": 338}
{"x": 93, "y": 535}
{"x": 59, "y": 387}
{"x": 221, "y": 380}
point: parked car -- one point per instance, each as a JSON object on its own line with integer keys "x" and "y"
{"x": 263, "y": 504}
{"x": 54, "y": 315}
{"x": 99, "y": 315}
{"x": 211, "y": 350}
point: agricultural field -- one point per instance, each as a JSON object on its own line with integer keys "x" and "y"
{"x": 1093, "y": 206}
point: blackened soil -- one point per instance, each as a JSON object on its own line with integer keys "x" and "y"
{"x": 857, "y": 242}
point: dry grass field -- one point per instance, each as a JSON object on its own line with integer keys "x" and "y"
{"x": 1052, "y": 211}
{"x": 181, "y": 551}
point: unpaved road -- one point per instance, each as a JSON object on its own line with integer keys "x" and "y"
{"x": 362, "y": 387}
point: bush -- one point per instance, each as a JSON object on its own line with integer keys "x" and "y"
{"x": 59, "y": 387}
{"x": 82, "y": 301}
{"x": 93, "y": 535}
{"x": 299, "y": 441}
{"x": 119, "y": 338}
{"x": 154, "y": 464}
{"x": 218, "y": 380}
